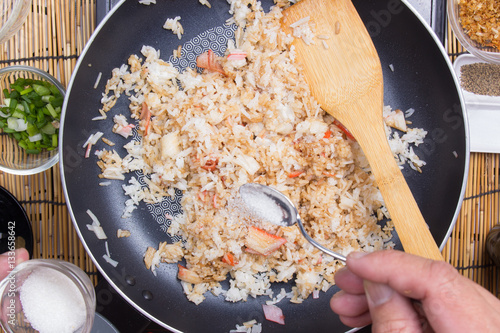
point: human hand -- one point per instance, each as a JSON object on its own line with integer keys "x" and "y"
{"x": 7, "y": 264}
{"x": 381, "y": 288}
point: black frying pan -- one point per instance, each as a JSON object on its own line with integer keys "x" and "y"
{"x": 422, "y": 79}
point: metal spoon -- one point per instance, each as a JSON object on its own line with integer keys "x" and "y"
{"x": 290, "y": 214}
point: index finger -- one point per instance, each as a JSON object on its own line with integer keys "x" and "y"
{"x": 410, "y": 275}
{"x": 349, "y": 282}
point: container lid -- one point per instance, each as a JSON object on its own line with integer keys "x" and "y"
{"x": 102, "y": 325}
{"x": 483, "y": 112}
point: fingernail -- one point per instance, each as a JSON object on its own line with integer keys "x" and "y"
{"x": 19, "y": 256}
{"x": 356, "y": 255}
{"x": 341, "y": 271}
{"x": 338, "y": 294}
{"x": 377, "y": 293}
{"x": 10, "y": 253}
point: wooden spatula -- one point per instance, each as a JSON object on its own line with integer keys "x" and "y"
{"x": 345, "y": 77}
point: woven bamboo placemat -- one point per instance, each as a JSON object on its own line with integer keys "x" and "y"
{"x": 51, "y": 39}
{"x": 54, "y": 36}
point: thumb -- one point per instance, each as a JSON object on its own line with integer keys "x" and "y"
{"x": 389, "y": 310}
{"x": 11, "y": 259}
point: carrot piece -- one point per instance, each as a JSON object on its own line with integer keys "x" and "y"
{"x": 229, "y": 259}
{"x": 295, "y": 174}
{"x": 343, "y": 129}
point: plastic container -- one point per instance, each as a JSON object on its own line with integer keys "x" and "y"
{"x": 103, "y": 325}
{"x": 13, "y": 159}
{"x": 62, "y": 283}
{"x": 13, "y": 15}
{"x": 483, "y": 113}
{"x": 485, "y": 53}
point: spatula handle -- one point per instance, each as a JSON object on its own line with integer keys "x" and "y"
{"x": 412, "y": 229}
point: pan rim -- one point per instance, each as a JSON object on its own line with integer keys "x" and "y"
{"x": 464, "y": 115}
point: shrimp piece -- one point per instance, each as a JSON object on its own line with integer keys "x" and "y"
{"x": 208, "y": 61}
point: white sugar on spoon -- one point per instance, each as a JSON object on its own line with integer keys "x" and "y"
{"x": 264, "y": 207}
{"x": 273, "y": 206}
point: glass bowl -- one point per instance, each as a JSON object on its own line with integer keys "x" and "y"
{"x": 13, "y": 158}
{"x": 489, "y": 54}
{"x": 43, "y": 295}
{"x": 14, "y": 12}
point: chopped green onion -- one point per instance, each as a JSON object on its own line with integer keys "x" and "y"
{"x": 58, "y": 101}
{"x": 14, "y": 95}
{"x": 32, "y": 130}
{"x": 47, "y": 98}
{"x": 27, "y": 90}
{"x": 41, "y": 90}
{"x": 30, "y": 109}
{"x": 54, "y": 90}
{"x": 12, "y": 123}
{"x": 19, "y": 107}
{"x": 48, "y": 129}
{"x": 26, "y": 107}
{"x": 36, "y": 137}
{"x": 18, "y": 114}
{"x": 33, "y": 151}
{"x": 21, "y": 125}
{"x": 52, "y": 110}
{"x": 13, "y": 103}
{"x": 17, "y": 136}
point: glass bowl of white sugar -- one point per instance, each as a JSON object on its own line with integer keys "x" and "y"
{"x": 47, "y": 295}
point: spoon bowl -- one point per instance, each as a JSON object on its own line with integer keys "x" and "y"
{"x": 254, "y": 195}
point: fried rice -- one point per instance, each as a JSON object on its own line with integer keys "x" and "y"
{"x": 207, "y": 133}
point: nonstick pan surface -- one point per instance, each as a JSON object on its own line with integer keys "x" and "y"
{"x": 417, "y": 74}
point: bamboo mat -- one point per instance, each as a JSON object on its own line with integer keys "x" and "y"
{"x": 52, "y": 39}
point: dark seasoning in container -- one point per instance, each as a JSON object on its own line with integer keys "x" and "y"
{"x": 481, "y": 78}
